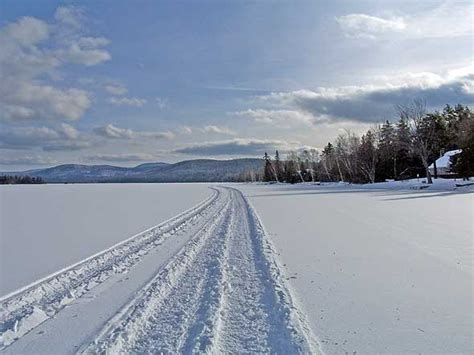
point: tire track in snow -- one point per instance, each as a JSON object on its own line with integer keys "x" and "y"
{"x": 223, "y": 292}
{"x": 26, "y": 308}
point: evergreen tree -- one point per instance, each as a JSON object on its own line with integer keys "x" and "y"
{"x": 327, "y": 160}
{"x": 291, "y": 168}
{"x": 387, "y": 167}
{"x": 268, "y": 170}
{"x": 403, "y": 148}
{"x": 464, "y": 164}
{"x": 277, "y": 166}
{"x": 368, "y": 155}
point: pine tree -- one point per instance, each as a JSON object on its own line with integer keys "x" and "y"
{"x": 268, "y": 170}
{"x": 464, "y": 164}
{"x": 403, "y": 148}
{"x": 368, "y": 155}
{"x": 387, "y": 167}
{"x": 327, "y": 160}
{"x": 277, "y": 167}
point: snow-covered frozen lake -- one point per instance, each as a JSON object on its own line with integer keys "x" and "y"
{"x": 376, "y": 271}
{"x": 372, "y": 271}
{"x": 44, "y": 228}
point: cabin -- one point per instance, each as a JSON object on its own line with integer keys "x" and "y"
{"x": 444, "y": 164}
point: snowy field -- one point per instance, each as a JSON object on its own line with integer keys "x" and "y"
{"x": 376, "y": 271}
{"x": 249, "y": 269}
{"x": 44, "y": 228}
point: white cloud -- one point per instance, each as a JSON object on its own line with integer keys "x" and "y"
{"x": 361, "y": 25}
{"x": 111, "y": 131}
{"x": 116, "y": 89}
{"x": 218, "y": 130}
{"x": 114, "y": 132}
{"x": 448, "y": 20}
{"x": 28, "y": 31}
{"x": 69, "y": 15}
{"x": 126, "y": 101}
{"x": 93, "y": 42}
{"x": 87, "y": 51}
{"x": 279, "y": 118}
{"x": 237, "y": 146}
{"x": 68, "y": 131}
{"x": 29, "y": 100}
{"x": 32, "y": 52}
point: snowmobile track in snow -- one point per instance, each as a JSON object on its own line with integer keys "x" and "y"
{"x": 24, "y": 309}
{"x": 221, "y": 292}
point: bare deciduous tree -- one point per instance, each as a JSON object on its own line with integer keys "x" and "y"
{"x": 422, "y": 130}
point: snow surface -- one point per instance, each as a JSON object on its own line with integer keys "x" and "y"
{"x": 342, "y": 268}
{"x": 44, "y": 228}
{"x": 204, "y": 281}
{"x": 376, "y": 271}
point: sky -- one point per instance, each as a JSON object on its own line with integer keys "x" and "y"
{"x": 128, "y": 82}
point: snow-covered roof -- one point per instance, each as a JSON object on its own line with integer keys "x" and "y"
{"x": 444, "y": 161}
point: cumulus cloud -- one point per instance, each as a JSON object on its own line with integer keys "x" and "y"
{"x": 114, "y": 132}
{"x": 442, "y": 21}
{"x": 31, "y": 101}
{"x": 68, "y": 131}
{"x": 88, "y": 51}
{"x": 121, "y": 158}
{"x": 237, "y": 146}
{"x": 218, "y": 130}
{"x": 27, "y": 31}
{"x": 32, "y": 53}
{"x": 126, "y": 101}
{"x": 69, "y": 15}
{"x": 374, "y": 103}
{"x": 116, "y": 89}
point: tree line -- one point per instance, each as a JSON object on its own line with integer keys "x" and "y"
{"x": 20, "y": 179}
{"x": 393, "y": 150}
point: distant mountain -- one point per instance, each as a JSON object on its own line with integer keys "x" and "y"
{"x": 200, "y": 170}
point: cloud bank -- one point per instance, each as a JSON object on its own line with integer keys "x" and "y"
{"x": 237, "y": 146}
{"x": 369, "y": 103}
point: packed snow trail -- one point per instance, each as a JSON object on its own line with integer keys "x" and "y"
{"x": 219, "y": 290}
{"x": 220, "y": 293}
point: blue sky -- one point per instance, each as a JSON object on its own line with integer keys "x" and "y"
{"x": 125, "y": 82}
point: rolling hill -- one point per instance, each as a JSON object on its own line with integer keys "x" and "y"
{"x": 200, "y": 170}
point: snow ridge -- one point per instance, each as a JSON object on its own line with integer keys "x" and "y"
{"x": 26, "y": 308}
{"x": 222, "y": 292}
